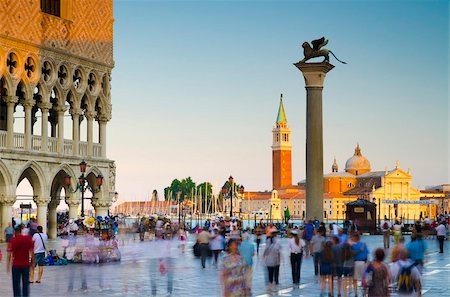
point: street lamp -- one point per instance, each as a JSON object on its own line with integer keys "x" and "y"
{"x": 83, "y": 184}
{"x": 231, "y": 192}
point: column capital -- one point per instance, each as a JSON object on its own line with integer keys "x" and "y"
{"x": 314, "y": 73}
{"x": 42, "y": 201}
{"x": 45, "y": 106}
{"x": 90, "y": 115}
{"x": 104, "y": 117}
{"x": 61, "y": 109}
{"x": 28, "y": 103}
{"x": 11, "y": 99}
{"x": 71, "y": 201}
{"x": 7, "y": 200}
{"x": 101, "y": 203}
{"x": 76, "y": 111}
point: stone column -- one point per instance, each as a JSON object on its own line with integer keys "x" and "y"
{"x": 60, "y": 146}
{"x": 74, "y": 204}
{"x": 10, "y": 103}
{"x": 42, "y": 204}
{"x": 102, "y": 134}
{"x": 28, "y": 105}
{"x": 90, "y": 115}
{"x": 45, "y": 107}
{"x": 75, "y": 130}
{"x": 101, "y": 207}
{"x": 314, "y": 75}
{"x": 6, "y": 204}
{"x": 52, "y": 218}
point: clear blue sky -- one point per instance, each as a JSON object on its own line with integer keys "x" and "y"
{"x": 196, "y": 88}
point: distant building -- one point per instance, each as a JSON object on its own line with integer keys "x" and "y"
{"x": 391, "y": 190}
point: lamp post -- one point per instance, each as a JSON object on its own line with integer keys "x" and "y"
{"x": 231, "y": 192}
{"x": 83, "y": 184}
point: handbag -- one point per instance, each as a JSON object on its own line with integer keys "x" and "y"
{"x": 196, "y": 249}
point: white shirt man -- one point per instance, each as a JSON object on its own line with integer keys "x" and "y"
{"x": 39, "y": 240}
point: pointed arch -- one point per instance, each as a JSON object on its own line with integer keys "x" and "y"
{"x": 23, "y": 90}
{"x": 58, "y": 181}
{"x": 36, "y": 176}
{"x": 7, "y": 86}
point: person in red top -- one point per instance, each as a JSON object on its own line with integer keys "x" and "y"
{"x": 20, "y": 251}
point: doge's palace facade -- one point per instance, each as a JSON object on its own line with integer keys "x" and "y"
{"x": 56, "y": 58}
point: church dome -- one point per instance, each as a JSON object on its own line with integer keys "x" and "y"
{"x": 357, "y": 164}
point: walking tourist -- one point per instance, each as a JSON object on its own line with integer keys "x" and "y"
{"x": 247, "y": 251}
{"x": 416, "y": 249}
{"x": 272, "y": 258}
{"x": 348, "y": 264}
{"x": 232, "y": 272}
{"x": 20, "y": 250}
{"x": 386, "y": 229}
{"x": 317, "y": 243}
{"x": 397, "y": 229}
{"x": 338, "y": 263}
{"x": 404, "y": 275}
{"x": 182, "y": 237}
{"x": 203, "y": 241}
{"x": 326, "y": 268}
{"x": 39, "y": 240}
{"x": 440, "y": 234}
{"x": 376, "y": 277}
{"x": 259, "y": 231}
{"x": 216, "y": 244}
{"x": 308, "y": 233}
{"x": 9, "y": 232}
{"x": 360, "y": 252}
{"x": 296, "y": 246}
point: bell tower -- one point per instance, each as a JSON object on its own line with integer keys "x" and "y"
{"x": 281, "y": 151}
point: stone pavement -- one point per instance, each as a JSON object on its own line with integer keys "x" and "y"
{"x": 131, "y": 277}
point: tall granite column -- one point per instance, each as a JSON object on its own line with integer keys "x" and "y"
{"x": 314, "y": 74}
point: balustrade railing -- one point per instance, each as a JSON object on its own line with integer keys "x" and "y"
{"x": 52, "y": 144}
{"x": 3, "y": 138}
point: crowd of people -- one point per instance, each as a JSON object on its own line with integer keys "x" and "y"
{"x": 343, "y": 263}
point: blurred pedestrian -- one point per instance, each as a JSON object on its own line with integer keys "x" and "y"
{"x": 386, "y": 229}
{"x": 317, "y": 243}
{"x": 360, "y": 252}
{"x": 338, "y": 263}
{"x": 376, "y": 276}
{"x": 203, "y": 241}
{"x": 296, "y": 247}
{"x": 216, "y": 244}
{"x": 440, "y": 234}
{"x": 326, "y": 268}
{"x": 259, "y": 231}
{"x": 308, "y": 233}
{"x": 247, "y": 251}
{"x": 416, "y": 250}
{"x": 404, "y": 275}
{"x": 20, "y": 251}
{"x": 9, "y": 232}
{"x": 397, "y": 229}
{"x": 348, "y": 264}
{"x": 232, "y": 273}
{"x": 272, "y": 259}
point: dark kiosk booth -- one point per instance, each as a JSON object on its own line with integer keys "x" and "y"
{"x": 363, "y": 214}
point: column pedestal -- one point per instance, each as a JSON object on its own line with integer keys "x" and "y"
{"x": 314, "y": 75}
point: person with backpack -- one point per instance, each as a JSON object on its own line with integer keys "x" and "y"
{"x": 376, "y": 276}
{"x": 405, "y": 276}
{"x": 386, "y": 229}
{"x": 296, "y": 246}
